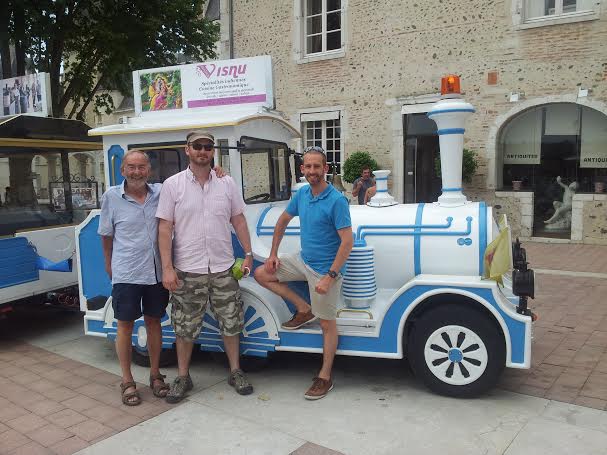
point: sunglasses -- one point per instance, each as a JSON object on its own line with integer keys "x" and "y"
{"x": 198, "y": 146}
{"x": 314, "y": 148}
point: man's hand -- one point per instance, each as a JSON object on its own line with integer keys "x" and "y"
{"x": 219, "y": 172}
{"x": 247, "y": 265}
{"x": 324, "y": 284}
{"x": 170, "y": 280}
{"x": 272, "y": 264}
{"x": 108, "y": 269}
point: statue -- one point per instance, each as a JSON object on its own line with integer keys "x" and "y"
{"x": 561, "y": 220}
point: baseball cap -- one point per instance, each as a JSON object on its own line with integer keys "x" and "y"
{"x": 195, "y": 135}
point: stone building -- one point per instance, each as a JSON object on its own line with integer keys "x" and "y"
{"x": 360, "y": 75}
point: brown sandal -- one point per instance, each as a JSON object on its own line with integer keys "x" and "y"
{"x": 159, "y": 390}
{"x": 127, "y": 398}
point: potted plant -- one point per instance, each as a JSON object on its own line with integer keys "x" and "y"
{"x": 352, "y": 167}
{"x": 469, "y": 165}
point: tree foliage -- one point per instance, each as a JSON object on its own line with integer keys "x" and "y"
{"x": 91, "y": 46}
{"x": 354, "y": 164}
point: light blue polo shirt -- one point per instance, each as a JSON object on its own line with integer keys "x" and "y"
{"x": 320, "y": 217}
{"x": 134, "y": 228}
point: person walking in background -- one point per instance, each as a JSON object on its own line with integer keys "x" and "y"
{"x": 362, "y": 184}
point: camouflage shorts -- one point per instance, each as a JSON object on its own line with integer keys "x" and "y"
{"x": 189, "y": 303}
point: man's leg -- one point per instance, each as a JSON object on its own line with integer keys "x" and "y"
{"x": 154, "y": 341}
{"x": 184, "y": 355}
{"x": 231, "y": 345}
{"x": 270, "y": 281}
{"x": 124, "y": 349}
{"x": 329, "y": 347}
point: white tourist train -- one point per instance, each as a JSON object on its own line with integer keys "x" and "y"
{"x": 414, "y": 283}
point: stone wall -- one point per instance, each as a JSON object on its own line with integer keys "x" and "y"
{"x": 589, "y": 219}
{"x": 518, "y": 207}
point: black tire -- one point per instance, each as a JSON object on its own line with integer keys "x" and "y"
{"x": 168, "y": 358}
{"x": 460, "y": 324}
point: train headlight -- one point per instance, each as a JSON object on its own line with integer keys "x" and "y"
{"x": 523, "y": 283}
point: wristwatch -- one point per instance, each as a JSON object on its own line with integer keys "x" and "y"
{"x": 332, "y": 274}
{"x": 249, "y": 253}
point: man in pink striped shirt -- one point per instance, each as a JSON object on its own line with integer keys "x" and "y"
{"x": 195, "y": 212}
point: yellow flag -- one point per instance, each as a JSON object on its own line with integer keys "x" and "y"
{"x": 497, "y": 257}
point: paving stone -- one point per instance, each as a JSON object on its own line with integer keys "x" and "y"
{"x": 24, "y": 361}
{"x": 90, "y": 430}
{"x": 69, "y": 446}
{"x": 60, "y": 393}
{"x": 11, "y": 439}
{"x": 3, "y": 427}
{"x": 49, "y": 435}
{"x": 124, "y": 422}
{"x": 314, "y": 449}
{"x": 94, "y": 390}
{"x": 80, "y": 403}
{"x": 44, "y": 407}
{"x": 11, "y": 411}
{"x": 591, "y": 402}
{"x": 42, "y": 385}
{"x": 27, "y": 422}
{"x": 32, "y": 448}
{"x": 66, "y": 418}
{"x": 104, "y": 413}
{"x": 596, "y": 386}
{"x": 28, "y": 397}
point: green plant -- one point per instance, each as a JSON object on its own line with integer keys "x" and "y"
{"x": 353, "y": 165}
{"x": 469, "y": 166}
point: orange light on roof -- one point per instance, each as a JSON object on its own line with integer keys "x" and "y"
{"x": 450, "y": 85}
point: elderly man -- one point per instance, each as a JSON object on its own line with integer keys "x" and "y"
{"x": 128, "y": 227}
{"x": 195, "y": 212}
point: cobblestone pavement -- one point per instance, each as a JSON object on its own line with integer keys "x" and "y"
{"x": 50, "y": 404}
{"x": 569, "y": 352}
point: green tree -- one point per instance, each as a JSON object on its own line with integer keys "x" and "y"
{"x": 91, "y": 46}
{"x": 354, "y": 164}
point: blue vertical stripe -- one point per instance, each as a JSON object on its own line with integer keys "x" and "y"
{"x": 417, "y": 239}
{"x": 482, "y": 234}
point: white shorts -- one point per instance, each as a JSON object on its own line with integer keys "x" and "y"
{"x": 293, "y": 268}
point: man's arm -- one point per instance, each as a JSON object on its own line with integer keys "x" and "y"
{"x": 165, "y": 245}
{"x": 107, "y": 243}
{"x": 356, "y": 187}
{"x": 279, "y": 231}
{"x": 239, "y": 222}
{"x": 347, "y": 241}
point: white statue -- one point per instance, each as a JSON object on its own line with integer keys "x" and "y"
{"x": 562, "y": 210}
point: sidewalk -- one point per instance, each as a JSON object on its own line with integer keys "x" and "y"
{"x": 569, "y": 351}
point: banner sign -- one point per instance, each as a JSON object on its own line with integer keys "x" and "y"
{"x": 204, "y": 85}
{"x": 593, "y": 153}
{"x": 29, "y": 94}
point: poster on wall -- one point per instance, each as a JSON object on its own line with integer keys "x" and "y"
{"x": 29, "y": 94}
{"x": 593, "y": 147}
{"x": 204, "y": 85}
{"x": 523, "y": 145}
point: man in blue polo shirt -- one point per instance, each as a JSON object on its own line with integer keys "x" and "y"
{"x": 326, "y": 242}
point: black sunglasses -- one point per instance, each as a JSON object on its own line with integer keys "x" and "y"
{"x": 198, "y": 146}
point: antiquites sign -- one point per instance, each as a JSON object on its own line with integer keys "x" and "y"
{"x": 202, "y": 85}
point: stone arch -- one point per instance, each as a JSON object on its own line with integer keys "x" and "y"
{"x": 492, "y": 148}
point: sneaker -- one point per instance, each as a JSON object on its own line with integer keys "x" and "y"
{"x": 180, "y": 386}
{"x": 319, "y": 389}
{"x": 238, "y": 380}
{"x": 298, "y": 320}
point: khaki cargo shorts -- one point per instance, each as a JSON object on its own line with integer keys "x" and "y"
{"x": 189, "y": 303}
{"x": 293, "y": 268}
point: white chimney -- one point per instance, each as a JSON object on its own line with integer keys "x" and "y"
{"x": 382, "y": 198}
{"x": 450, "y": 116}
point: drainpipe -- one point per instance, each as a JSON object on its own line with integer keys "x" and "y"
{"x": 231, "y": 29}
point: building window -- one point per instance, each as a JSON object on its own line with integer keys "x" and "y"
{"x": 563, "y": 140}
{"x": 326, "y": 134}
{"x": 322, "y": 26}
{"x": 536, "y": 13}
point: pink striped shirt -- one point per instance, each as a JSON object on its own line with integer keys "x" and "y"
{"x": 202, "y": 240}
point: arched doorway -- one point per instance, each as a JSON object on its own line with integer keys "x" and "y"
{"x": 547, "y": 141}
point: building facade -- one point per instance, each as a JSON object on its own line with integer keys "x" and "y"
{"x": 361, "y": 75}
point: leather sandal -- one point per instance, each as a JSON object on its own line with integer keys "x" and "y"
{"x": 127, "y": 397}
{"x": 159, "y": 390}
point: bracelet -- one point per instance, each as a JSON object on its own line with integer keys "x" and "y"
{"x": 249, "y": 254}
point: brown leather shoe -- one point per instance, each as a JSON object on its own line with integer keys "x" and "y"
{"x": 298, "y": 320}
{"x": 319, "y": 389}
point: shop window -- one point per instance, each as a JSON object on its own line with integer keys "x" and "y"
{"x": 556, "y": 140}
